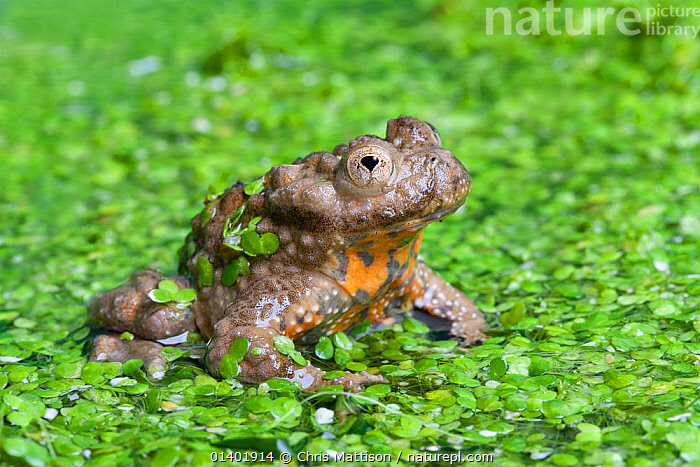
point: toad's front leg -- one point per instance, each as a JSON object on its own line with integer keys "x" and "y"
{"x": 289, "y": 304}
{"x": 438, "y": 297}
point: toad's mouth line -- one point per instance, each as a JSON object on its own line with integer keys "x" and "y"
{"x": 415, "y": 224}
{"x": 436, "y": 216}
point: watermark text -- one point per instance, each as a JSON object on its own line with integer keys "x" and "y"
{"x": 588, "y": 21}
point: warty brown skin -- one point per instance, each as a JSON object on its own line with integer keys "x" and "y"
{"x": 350, "y": 227}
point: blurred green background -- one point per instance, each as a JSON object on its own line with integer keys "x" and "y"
{"x": 116, "y": 116}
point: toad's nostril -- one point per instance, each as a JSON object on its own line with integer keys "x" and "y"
{"x": 370, "y": 162}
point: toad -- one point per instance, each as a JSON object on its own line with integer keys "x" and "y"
{"x": 340, "y": 234}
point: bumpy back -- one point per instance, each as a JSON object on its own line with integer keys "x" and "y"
{"x": 206, "y": 237}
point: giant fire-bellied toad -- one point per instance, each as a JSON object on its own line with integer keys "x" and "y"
{"x": 349, "y": 225}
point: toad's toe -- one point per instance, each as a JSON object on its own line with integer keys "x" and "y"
{"x": 355, "y": 382}
{"x": 110, "y": 348}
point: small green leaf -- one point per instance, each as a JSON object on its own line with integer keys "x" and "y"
{"x": 413, "y": 325}
{"x": 26, "y": 450}
{"x": 15, "y": 402}
{"x": 607, "y": 296}
{"x": 489, "y": 403}
{"x": 243, "y": 266}
{"x": 285, "y": 408}
{"x": 258, "y": 404}
{"x": 185, "y": 295}
{"x": 228, "y": 368}
{"x": 202, "y": 380}
{"x": 126, "y": 336}
{"x": 160, "y": 295}
{"x": 80, "y": 333}
{"x": 64, "y": 370}
{"x": 253, "y": 223}
{"x": 621, "y": 381}
{"x": 91, "y": 372}
{"x": 374, "y": 437}
{"x": 255, "y": 187}
{"x": 445, "y": 344}
{"x": 131, "y": 366}
{"x": 341, "y": 357}
{"x": 564, "y": 460}
{"x": 230, "y": 274}
{"x": 497, "y": 368}
{"x": 516, "y": 404}
{"x": 207, "y": 213}
{"x": 23, "y": 322}
{"x": 324, "y": 348}
{"x": 284, "y": 345}
{"x": 356, "y": 366}
{"x": 20, "y": 418}
{"x": 152, "y": 401}
{"x": 464, "y": 362}
{"x": 173, "y": 353}
{"x": 515, "y": 444}
{"x": 696, "y": 325}
{"x": 166, "y": 457}
{"x": 514, "y": 316}
{"x": 33, "y": 405}
{"x": 250, "y": 242}
{"x": 693, "y": 288}
{"x": 663, "y": 308}
{"x": 589, "y": 437}
{"x": 341, "y": 340}
{"x": 379, "y": 389}
{"x": 459, "y": 377}
{"x": 234, "y": 246}
{"x": 564, "y": 272}
{"x": 232, "y": 222}
{"x": 239, "y": 348}
{"x": 169, "y": 286}
{"x": 425, "y": 364}
{"x": 539, "y": 367}
{"x": 361, "y": 329}
{"x": 297, "y": 357}
{"x": 554, "y": 409}
{"x": 269, "y": 243}
{"x": 587, "y": 427}
{"x": 611, "y": 374}
{"x": 204, "y": 272}
{"x": 111, "y": 369}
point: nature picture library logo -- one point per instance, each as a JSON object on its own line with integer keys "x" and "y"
{"x": 660, "y": 20}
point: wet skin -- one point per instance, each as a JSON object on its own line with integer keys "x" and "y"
{"x": 350, "y": 227}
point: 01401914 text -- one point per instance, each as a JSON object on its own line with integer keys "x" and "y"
{"x": 242, "y": 456}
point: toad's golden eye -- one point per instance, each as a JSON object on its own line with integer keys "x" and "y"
{"x": 369, "y": 165}
{"x": 436, "y": 134}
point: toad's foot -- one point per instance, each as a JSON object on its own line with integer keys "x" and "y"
{"x": 110, "y": 348}
{"x": 353, "y": 382}
{"x": 263, "y": 361}
{"x": 129, "y": 308}
{"x": 431, "y": 293}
